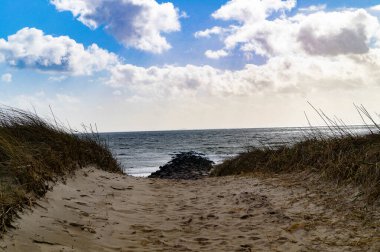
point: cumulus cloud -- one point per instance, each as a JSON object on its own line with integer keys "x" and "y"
{"x": 305, "y": 52}
{"x": 333, "y": 33}
{"x": 290, "y": 74}
{"x": 265, "y": 28}
{"x": 246, "y": 11}
{"x": 375, "y": 8}
{"x": 216, "y": 54}
{"x": 134, "y": 23}
{"x": 7, "y": 78}
{"x": 31, "y": 48}
{"x": 216, "y": 30}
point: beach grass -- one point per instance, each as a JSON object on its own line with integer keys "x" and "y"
{"x": 340, "y": 156}
{"x": 35, "y": 152}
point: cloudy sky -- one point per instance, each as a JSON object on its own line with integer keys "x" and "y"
{"x": 155, "y": 65}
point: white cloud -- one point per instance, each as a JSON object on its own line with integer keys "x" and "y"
{"x": 287, "y": 74}
{"x": 264, "y": 28}
{"x": 216, "y": 30}
{"x": 216, "y": 54}
{"x": 375, "y": 8}
{"x": 333, "y": 33}
{"x": 31, "y": 48}
{"x": 7, "y": 78}
{"x": 134, "y": 23}
{"x": 247, "y": 11}
{"x": 314, "y": 8}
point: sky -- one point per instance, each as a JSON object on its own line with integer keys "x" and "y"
{"x": 134, "y": 65}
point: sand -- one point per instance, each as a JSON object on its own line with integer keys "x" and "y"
{"x": 98, "y": 211}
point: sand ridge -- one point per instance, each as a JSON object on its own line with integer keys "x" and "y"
{"x": 99, "y": 211}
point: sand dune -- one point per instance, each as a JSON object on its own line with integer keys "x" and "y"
{"x": 99, "y": 211}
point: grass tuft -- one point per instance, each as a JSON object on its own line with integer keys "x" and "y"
{"x": 35, "y": 152}
{"x": 341, "y": 156}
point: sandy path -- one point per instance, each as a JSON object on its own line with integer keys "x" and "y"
{"x": 98, "y": 211}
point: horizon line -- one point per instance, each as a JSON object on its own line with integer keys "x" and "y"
{"x": 243, "y": 128}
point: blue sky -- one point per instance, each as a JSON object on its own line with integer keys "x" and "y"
{"x": 17, "y": 14}
{"x": 41, "y": 14}
{"x": 163, "y": 72}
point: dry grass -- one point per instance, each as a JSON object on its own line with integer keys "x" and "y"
{"x": 35, "y": 152}
{"x": 341, "y": 156}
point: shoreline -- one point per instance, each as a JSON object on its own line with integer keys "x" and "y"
{"x": 100, "y": 211}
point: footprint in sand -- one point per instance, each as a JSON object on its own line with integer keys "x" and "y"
{"x": 187, "y": 222}
{"x": 212, "y": 216}
{"x": 202, "y": 240}
{"x": 246, "y": 216}
{"x": 119, "y": 188}
{"x": 45, "y": 242}
{"x": 72, "y": 207}
{"x": 83, "y": 227}
{"x": 85, "y": 214}
{"x": 68, "y": 199}
{"x": 245, "y": 248}
{"x": 81, "y": 203}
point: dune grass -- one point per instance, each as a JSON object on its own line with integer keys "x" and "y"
{"x": 35, "y": 152}
{"x": 341, "y": 156}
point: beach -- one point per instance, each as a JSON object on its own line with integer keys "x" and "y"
{"x": 199, "y": 126}
{"x": 94, "y": 210}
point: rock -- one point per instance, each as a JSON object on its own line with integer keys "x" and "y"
{"x": 185, "y": 165}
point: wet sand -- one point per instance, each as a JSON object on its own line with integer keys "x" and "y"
{"x": 98, "y": 211}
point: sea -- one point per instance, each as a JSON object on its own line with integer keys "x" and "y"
{"x": 141, "y": 153}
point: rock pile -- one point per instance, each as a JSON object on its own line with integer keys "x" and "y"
{"x": 185, "y": 165}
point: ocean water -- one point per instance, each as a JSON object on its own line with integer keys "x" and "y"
{"x": 141, "y": 153}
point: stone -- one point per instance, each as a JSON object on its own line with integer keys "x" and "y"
{"x": 185, "y": 165}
